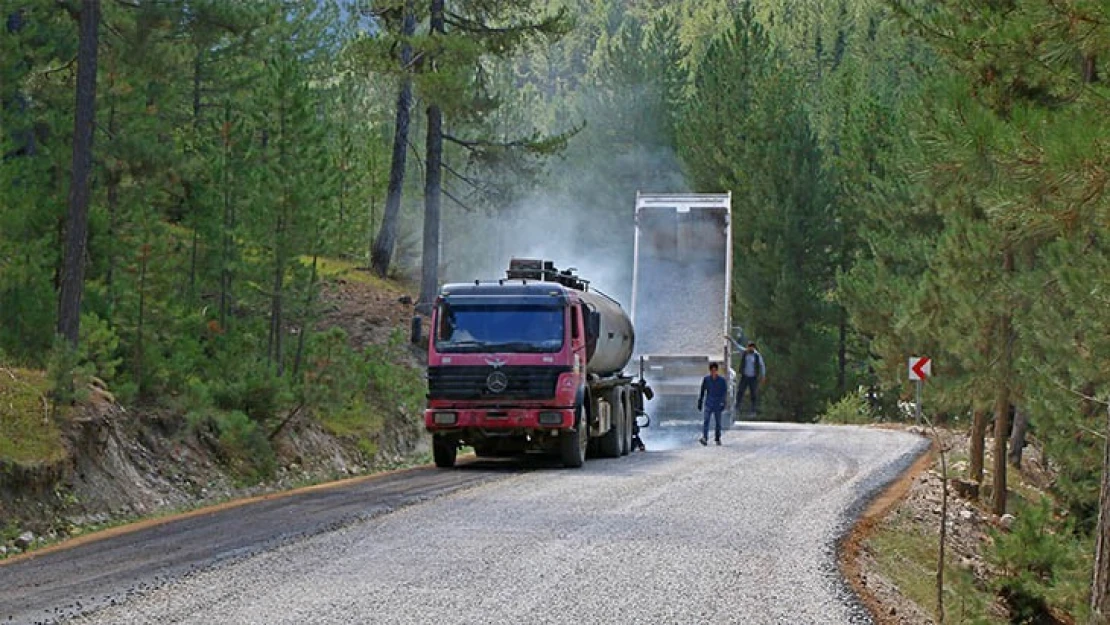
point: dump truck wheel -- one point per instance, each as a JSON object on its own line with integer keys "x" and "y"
{"x": 572, "y": 445}
{"x": 444, "y": 451}
{"x": 610, "y": 443}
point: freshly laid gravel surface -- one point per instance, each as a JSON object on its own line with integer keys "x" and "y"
{"x": 742, "y": 533}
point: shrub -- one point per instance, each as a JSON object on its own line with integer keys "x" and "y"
{"x": 251, "y": 388}
{"x": 99, "y": 347}
{"x": 67, "y": 378}
{"x": 851, "y": 409}
{"x": 243, "y": 446}
{"x": 398, "y": 386}
{"x": 1041, "y": 564}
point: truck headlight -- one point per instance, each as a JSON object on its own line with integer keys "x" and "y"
{"x": 551, "y": 418}
{"x": 445, "y": 418}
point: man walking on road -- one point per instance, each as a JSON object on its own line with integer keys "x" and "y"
{"x": 753, "y": 372}
{"x": 711, "y": 401}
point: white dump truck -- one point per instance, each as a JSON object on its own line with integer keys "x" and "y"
{"x": 682, "y": 271}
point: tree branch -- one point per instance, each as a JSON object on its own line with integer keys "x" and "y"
{"x": 49, "y": 70}
{"x": 469, "y": 25}
{"x": 454, "y": 199}
{"x": 466, "y": 179}
{"x": 473, "y": 145}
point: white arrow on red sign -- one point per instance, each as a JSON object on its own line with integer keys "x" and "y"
{"x": 921, "y": 367}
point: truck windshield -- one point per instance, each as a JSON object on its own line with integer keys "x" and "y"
{"x": 501, "y": 328}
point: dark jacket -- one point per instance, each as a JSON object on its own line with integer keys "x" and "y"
{"x": 713, "y": 392}
{"x": 760, "y": 366}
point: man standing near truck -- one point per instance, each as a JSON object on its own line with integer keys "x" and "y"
{"x": 752, "y": 373}
{"x": 711, "y": 401}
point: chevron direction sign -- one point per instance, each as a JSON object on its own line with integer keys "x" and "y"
{"x": 920, "y": 368}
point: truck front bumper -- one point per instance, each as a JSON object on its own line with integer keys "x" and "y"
{"x": 453, "y": 419}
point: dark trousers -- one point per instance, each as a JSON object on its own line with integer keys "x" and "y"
{"x": 716, "y": 414}
{"x": 746, "y": 383}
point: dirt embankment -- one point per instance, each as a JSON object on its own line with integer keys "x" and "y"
{"x": 124, "y": 463}
{"x": 913, "y": 506}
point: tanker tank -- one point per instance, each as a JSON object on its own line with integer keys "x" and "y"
{"x": 616, "y": 338}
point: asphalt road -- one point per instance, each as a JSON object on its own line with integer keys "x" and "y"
{"x": 742, "y": 533}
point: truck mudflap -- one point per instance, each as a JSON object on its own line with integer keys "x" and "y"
{"x": 442, "y": 420}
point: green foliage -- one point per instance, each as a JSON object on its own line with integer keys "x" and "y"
{"x": 850, "y": 409}
{"x": 68, "y": 378}
{"x": 243, "y": 445}
{"x": 99, "y": 347}
{"x": 225, "y": 128}
{"x": 745, "y": 129}
{"x": 355, "y": 394}
{"x": 250, "y": 388}
{"x": 987, "y": 242}
{"x": 1042, "y": 564}
{"x": 400, "y": 390}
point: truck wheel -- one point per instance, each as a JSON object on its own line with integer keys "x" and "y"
{"x": 610, "y": 443}
{"x": 444, "y": 450}
{"x": 572, "y": 445}
{"x": 626, "y": 425}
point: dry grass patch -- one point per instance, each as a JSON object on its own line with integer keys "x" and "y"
{"x": 906, "y": 554}
{"x": 28, "y": 436}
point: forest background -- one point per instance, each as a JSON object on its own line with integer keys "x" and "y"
{"x": 908, "y": 178}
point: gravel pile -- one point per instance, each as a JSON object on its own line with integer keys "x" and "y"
{"x": 680, "y": 307}
{"x": 743, "y": 533}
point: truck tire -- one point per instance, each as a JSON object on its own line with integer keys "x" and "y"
{"x": 444, "y": 451}
{"x": 610, "y": 444}
{"x": 572, "y": 445}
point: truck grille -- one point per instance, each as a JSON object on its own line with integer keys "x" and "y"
{"x": 523, "y": 382}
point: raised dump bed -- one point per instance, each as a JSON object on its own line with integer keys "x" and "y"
{"x": 682, "y": 272}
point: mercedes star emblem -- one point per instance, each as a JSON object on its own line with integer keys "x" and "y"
{"x": 497, "y": 382}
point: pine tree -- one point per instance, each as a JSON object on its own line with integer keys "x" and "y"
{"x": 382, "y": 253}
{"x": 745, "y": 130}
{"x": 454, "y": 85}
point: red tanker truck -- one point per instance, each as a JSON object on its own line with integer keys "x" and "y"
{"x": 533, "y": 362}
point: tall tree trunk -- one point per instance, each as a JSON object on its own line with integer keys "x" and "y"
{"x": 1002, "y": 401}
{"x": 842, "y": 355}
{"x": 274, "y": 351}
{"x": 978, "y": 445}
{"x": 190, "y": 193}
{"x": 306, "y": 314}
{"x": 113, "y": 178}
{"x": 1100, "y": 585}
{"x": 1001, "y": 430}
{"x": 943, "y": 528}
{"x": 429, "y": 274}
{"x": 140, "y": 323}
{"x": 433, "y": 172}
{"x": 381, "y": 254}
{"x": 228, "y": 221}
{"x": 1017, "y": 436}
{"x": 77, "y": 222}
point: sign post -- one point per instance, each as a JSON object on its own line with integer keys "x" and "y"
{"x": 921, "y": 367}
